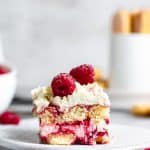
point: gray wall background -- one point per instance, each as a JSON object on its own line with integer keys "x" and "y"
{"x": 44, "y": 37}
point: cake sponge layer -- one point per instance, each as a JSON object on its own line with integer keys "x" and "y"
{"x": 52, "y": 114}
{"x": 80, "y": 124}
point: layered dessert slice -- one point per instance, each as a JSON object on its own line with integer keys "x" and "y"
{"x": 73, "y": 110}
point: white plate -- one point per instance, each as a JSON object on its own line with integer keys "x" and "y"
{"x": 25, "y": 137}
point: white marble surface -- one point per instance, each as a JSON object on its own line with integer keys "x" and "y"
{"x": 43, "y": 37}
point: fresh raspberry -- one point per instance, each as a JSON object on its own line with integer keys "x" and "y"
{"x": 3, "y": 69}
{"x": 9, "y": 118}
{"x": 63, "y": 84}
{"x": 43, "y": 139}
{"x": 84, "y": 74}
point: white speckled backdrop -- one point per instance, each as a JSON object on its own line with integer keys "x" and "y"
{"x": 44, "y": 37}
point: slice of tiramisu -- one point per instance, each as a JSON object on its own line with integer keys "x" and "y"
{"x": 73, "y": 109}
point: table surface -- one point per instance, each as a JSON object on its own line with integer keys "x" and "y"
{"x": 117, "y": 116}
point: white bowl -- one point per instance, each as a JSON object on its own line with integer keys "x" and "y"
{"x": 7, "y": 87}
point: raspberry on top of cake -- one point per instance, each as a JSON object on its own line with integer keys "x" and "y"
{"x": 74, "y": 108}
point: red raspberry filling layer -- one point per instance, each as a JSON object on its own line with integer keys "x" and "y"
{"x": 85, "y": 131}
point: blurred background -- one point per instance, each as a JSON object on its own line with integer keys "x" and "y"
{"x": 44, "y": 37}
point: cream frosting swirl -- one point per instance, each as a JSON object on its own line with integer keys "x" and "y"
{"x": 89, "y": 94}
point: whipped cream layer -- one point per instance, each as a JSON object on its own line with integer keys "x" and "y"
{"x": 89, "y": 94}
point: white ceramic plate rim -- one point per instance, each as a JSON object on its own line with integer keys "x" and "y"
{"x": 68, "y": 147}
{"x": 25, "y": 145}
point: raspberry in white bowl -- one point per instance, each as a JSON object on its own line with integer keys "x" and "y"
{"x": 4, "y": 69}
{"x": 8, "y": 82}
{"x": 73, "y": 109}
